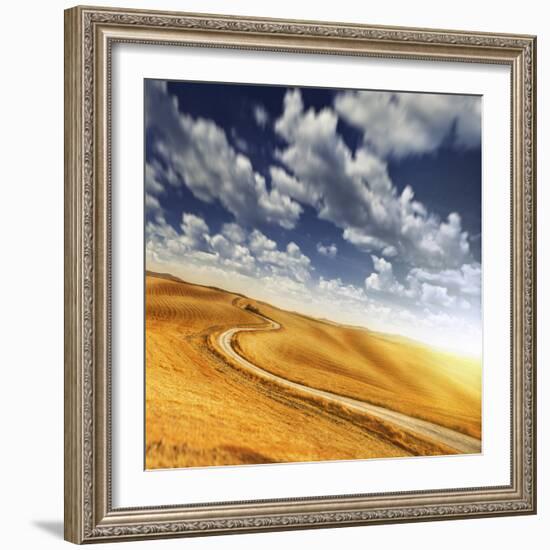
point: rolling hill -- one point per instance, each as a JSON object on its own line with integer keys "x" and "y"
{"x": 205, "y": 407}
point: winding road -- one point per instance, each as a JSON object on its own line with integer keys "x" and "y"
{"x": 456, "y": 440}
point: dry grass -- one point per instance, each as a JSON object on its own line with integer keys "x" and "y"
{"x": 203, "y": 411}
{"x": 388, "y": 371}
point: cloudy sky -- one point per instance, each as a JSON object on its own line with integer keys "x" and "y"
{"x": 363, "y": 207}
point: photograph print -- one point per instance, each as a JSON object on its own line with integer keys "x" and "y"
{"x": 313, "y": 274}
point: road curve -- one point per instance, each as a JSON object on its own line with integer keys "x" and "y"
{"x": 456, "y": 440}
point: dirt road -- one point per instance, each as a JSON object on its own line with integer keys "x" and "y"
{"x": 461, "y": 442}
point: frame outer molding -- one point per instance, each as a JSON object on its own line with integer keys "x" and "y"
{"x": 72, "y": 285}
{"x": 89, "y": 33}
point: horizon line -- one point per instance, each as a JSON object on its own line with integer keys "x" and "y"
{"x": 394, "y": 335}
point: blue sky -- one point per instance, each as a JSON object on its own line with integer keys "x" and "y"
{"x": 359, "y": 206}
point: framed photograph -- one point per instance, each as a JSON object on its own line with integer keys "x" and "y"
{"x": 300, "y": 274}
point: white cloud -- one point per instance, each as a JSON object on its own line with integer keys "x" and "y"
{"x": 446, "y": 288}
{"x": 335, "y": 287}
{"x": 259, "y": 243}
{"x": 239, "y": 142}
{"x": 280, "y": 262}
{"x": 466, "y": 280}
{"x": 368, "y": 243}
{"x": 234, "y": 232}
{"x": 152, "y": 203}
{"x": 282, "y": 286}
{"x": 232, "y": 255}
{"x": 160, "y": 230}
{"x": 221, "y": 245}
{"x": 401, "y": 124}
{"x": 234, "y": 250}
{"x": 292, "y": 113}
{"x": 152, "y": 183}
{"x": 329, "y": 250}
{"x": 429, "y": 241}
{"x": 294, "y": 188}
{"x": 198, "y": 151}
{"x": 383, "y": 279}
{"x": 355, "y": 192}
{"x": 436, "y": 295}
{"x": 153, "y": 188}
{"x": 261, "y": 116}
{"x": 195, "y": 231}
{"x": 320, "y": 160}
{"x": 158, "y": 176}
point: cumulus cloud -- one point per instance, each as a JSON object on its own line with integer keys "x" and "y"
{"x": 152, "y": 183}
{"x": 233, "y": 248}
{"x": 198, "y": 151}
{"x": 152, "y": 203}
{"x": 261, "y": 116}
{"x": 259, "y": 243}
{"x": 383, "y": 279}
{"x": 335, "y": 287}
{"x": 401, "y": 124}
{"x": 239, "y": 142}
{"x": 445, "y": 288}
{"x": 232, "y": 255}
{"x": 193, "y": 241}
{"x": 158, "y": 177}
{"x": 436, "y": 295}
{"x": 195, "y": 231}
{"x": 327, "y": 250}
{"x": 466, "y": 280}
{"x": 290, "y": 261}
{"x": 323, "y": 164}
{"x": 354, "y": 191}
{"x": 234, "y": 232}
{"x": 368, "y": 243}
{"x": 153, "y": 188}
{"x": 292, "y": 187}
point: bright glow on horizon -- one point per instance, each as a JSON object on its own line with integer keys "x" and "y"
{"x": 465, "y": 342}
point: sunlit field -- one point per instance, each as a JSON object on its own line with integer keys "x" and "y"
{"x": 204, "y": 407}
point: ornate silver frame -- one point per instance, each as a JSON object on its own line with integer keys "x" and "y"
{"x": 89, "y": 36}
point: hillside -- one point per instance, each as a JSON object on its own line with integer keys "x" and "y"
{"x": 203, "y": 409}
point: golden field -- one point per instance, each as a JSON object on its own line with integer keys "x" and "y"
{"x": 203, "y": 409}
{"x": 388, "y": 371}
